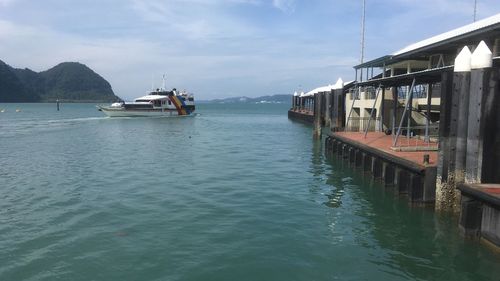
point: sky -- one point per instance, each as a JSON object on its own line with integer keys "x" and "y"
{"x": 220, "y": 48}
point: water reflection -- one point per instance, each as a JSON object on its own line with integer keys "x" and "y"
{"x": 334, "y": 198}
{"x": 406, "y": 242}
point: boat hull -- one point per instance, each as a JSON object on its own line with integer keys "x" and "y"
{"x": 121, "y": 112}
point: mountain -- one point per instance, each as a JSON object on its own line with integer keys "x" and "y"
{"x": 261, "y": 99}
{"x": 12, "y": 89}
{"x": 67, "y": 81}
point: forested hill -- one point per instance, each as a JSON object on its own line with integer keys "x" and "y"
{"x": 67, "y": 81}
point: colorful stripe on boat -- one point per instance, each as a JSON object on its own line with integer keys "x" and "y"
{"x": 188, "y": 111}
{"x": 179, "y": 105}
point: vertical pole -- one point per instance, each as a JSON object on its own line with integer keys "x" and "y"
{"x": 444, "y": 141}
{"x": 428, "y": 119}
{"x": 354, "y": 97}
{"x": 482, "y": 134}
{"x": 382, "y": 109}
{"x": 447, "y": 195}
{"x": 475, "y": 9}
{"x": 395, "y": 108}
{"x": 317, "y": 116}
{"x": 371, "y": 112}
{"x": 462, "y": 121}
{"x": 57, "y": 104}
{"x": 408, "y": 96}
{"x": 410, "y": 108}
{"x": 328, "y": 108}
{"x": 363, "y": 34}
{"x": 334, "y": 111}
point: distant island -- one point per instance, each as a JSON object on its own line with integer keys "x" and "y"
{"x": 66, "y": 82}
{"x": 261, "y": 99}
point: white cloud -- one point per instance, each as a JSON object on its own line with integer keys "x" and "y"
{"x": 287, "y": 6}
{"x": 215, "y": 48}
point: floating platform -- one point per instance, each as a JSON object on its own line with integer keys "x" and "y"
{"x": 301, "y": 115}
{"x": 404, "y": 169}
{"x": 480, "y": 211}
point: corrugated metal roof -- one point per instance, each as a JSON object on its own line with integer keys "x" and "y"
{"x": 451, "y": 34}
{"x": 438, "y": 40}
{"x": 338, "y": 85}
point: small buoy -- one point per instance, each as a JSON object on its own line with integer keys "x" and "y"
{"x": 18, "y": 110}
{"x": 2, "y": 111}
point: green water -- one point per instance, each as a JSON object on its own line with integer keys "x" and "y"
{"x": 236, "y": 193}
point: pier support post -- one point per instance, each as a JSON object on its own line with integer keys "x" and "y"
{"x": 388, "y": 173}
{"x": 430, "y": 184}
{"x": 334, "y": 146}
{"x": 483, "y": 135}
{"x": 328, "y": 148}
{"x": 463, "y": 115}
{"x": 490, "y": 224}
{"x": 352, "y": 155}
{"x": 345, "y": 151}
{"x": 340, "y": 149}
{"x": 401, "y": 180}
{"x": 328, "y": 108}
{"x": 338, "y": 114}
{"x": 457, "y": 136}
{"x": 442, "y": 188}
{"x": 415, "y": 188}
{"x": 317, "y": 116}
{"x": 376, "y": 167}
{"x": 470, "y": 217}
{"x": 367, "y": 162}
{"x": 358, "y": 158}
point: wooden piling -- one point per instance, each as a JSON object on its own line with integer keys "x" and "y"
{"x": 328, "y": 108}
{"x": 462, "y": 91}
{"x": 317, "y": 116}
{"x": 442, "y": 188}
{"x": 482, "y": 133}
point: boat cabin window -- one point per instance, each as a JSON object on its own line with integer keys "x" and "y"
{"x": 169, "y": 103}
{"x": 157, "y": 103}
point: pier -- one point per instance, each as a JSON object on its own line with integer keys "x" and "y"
{"x": 412, "y": 173}
{"x": 426, "y": 120}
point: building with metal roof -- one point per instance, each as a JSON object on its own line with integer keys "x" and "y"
{"x": 435, "y": 52}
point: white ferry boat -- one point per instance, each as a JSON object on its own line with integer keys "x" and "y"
{"x": 156, "y": 103}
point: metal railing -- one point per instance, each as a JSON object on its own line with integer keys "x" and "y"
{"x": 419, "y": 137}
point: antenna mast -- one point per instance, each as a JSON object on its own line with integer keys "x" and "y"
{"x": 363, "y": 33}
{"x": 475, "y": 9}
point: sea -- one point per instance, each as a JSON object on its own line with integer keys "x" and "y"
{"x": 237, "y": 192}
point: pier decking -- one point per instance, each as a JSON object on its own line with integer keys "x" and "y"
{"x": 404, "y": 169}
{"x": 379, "y": 142}
{"x": 480, "y": 212}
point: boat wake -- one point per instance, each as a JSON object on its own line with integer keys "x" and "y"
{"x": 28, "y": 126}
